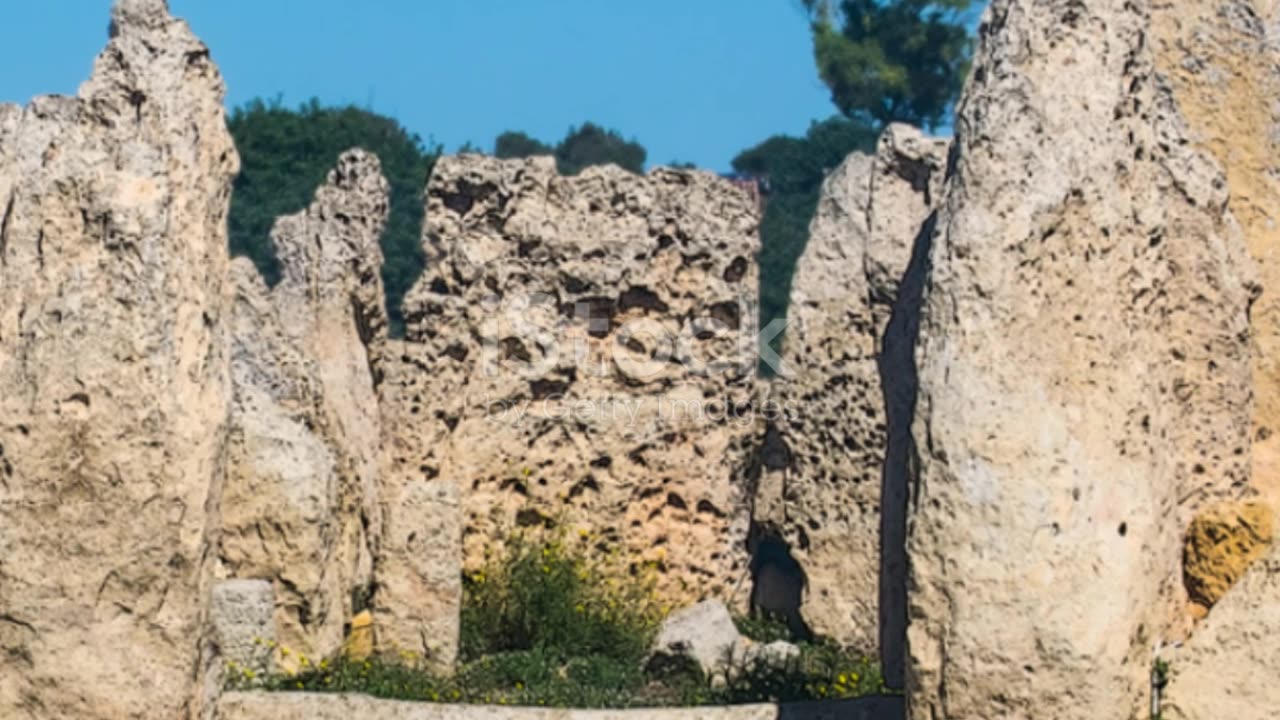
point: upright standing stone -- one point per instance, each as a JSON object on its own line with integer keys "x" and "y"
{"x": 419, "y": 563}
{"x": 113, "y": 376}
{"x": 300, "y": 504}
{"x": 826, "y": 502}
{"x": 1084, "y": 377}
{"x": 1223, "y": 65}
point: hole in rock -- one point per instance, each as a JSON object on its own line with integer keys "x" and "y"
{"x": 642, "y": 297}
{"x": 598, "y": 313}
{"x": 548, "y": 389}
{"x": 459, "y": 203}
{"x": 777, "y": 583}
{"x": 736, "y": 270}
{"x": 529, "y": 518}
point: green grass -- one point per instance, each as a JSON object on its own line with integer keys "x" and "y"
{"x": 551, "y": 624}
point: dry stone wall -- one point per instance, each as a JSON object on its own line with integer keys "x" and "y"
{"x": 114, "y": 376}
{"x": 583, "y": 352}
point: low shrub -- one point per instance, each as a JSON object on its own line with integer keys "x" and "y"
{"x": 820, "y": 672}
{"x": 550, "y": 623}
{"x": 551, "y": 594}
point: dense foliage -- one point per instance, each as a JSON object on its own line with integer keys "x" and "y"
{"x": 892, "y": 60}
{"x": 513, "y": 144}
{"x": 583, "y": 146}
{"x": 286, "y": 153}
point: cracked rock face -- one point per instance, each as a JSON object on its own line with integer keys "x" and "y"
{"x": 1085, "y": 372}
{"x": 115, "y": 376}
{"x": 584, "y": 358}
{"x": 825, "y": 501}
{"x": 299, "y": 507}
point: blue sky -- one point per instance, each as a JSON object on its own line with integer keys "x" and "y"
{"x": 693, "y": 80}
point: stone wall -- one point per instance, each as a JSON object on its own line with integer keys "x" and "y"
{"x": 583, "y": 357}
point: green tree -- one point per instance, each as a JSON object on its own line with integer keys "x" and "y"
{"x": 892, "y": 60}
{"x": 591, "y": 144}
{"x": 583, "y": 146}
{"x": 286, "y": 153}
{"x": 519, "y": 145}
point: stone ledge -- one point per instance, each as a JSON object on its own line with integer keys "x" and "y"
{"x": 312, "y": 706}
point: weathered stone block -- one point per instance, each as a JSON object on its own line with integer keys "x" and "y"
{"x": 827, "y": 499}
{"x": 703, "y": 635}
{"x": 242, "y": 613}
{"x": 300, "y": 501}
{"x": 1085, "y": 372}
{"x": 302, "y": 706}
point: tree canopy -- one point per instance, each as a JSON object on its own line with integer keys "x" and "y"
{"x": 892, "y": 60}
{"x": 285, "y": 155}
{"x": 519, "y": 145}
{"x": 583, "y": 146}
